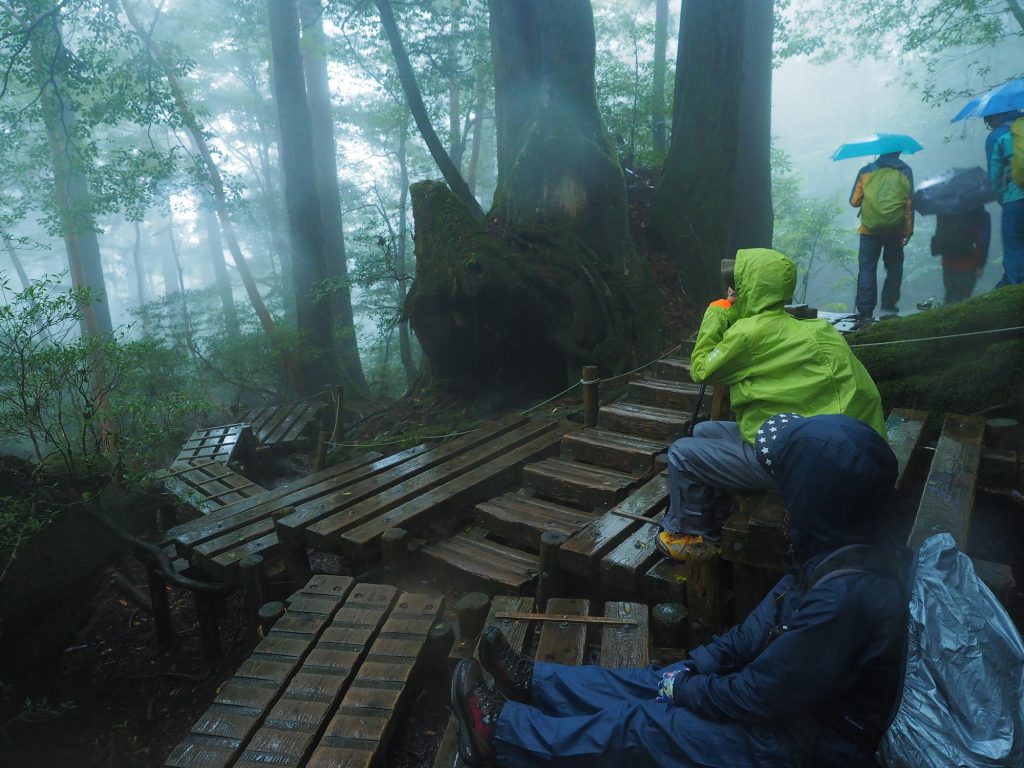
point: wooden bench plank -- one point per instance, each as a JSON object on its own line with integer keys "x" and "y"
{"x": 905, "y": 428}
{"x": 626, "y": 646}
{"x": 241, "y": 704}
{"x": 948, "y": 495}
{"x": 291, "y": 729}
{"x": 210, "y": 487}
{"x": 582, "y": 553}
{"x": 358, "y": 732}
{"x": 397, "y": 498}
{"x": 462, "y": 492}
{"x": 563, "y": 643}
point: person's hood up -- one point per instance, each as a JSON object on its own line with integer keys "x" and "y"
{"x": 834, "y": 473}
{"x": 765, "y": 279}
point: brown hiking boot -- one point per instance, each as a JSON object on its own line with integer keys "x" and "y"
{"x": 512, "y": 672}
{"x": 477, "y": 708}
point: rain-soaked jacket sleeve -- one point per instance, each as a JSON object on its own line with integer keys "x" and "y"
{"x": 804, "y": 666}
{"x": 720, "y": 354}
{"x": 733, "y": 650}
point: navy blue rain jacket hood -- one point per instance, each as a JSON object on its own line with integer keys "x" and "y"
{"x": 834, "y": 473}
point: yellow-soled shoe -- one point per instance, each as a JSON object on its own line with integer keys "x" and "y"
{"x": 674, "y": 545}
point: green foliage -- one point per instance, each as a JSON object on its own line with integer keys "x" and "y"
{"x": 925, "y": 36}
{"x": 806, "y": 229}
{"x": 91, "y": 409}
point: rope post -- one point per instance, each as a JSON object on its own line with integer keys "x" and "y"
{"x": 394, "y": 550}
{"x": 591, "y": 397}
{"x": 321, "y": 452}
{"x": 472, "y": 611}
{"x": 296, "y": 560}
{"x": 703, "y": 592}
{"x": 549, "y": 583}
{"x": 268, "y": 615}
{"x": 668, "y": 625}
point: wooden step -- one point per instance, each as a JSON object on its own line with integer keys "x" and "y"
{"x": 483, "y": 564}
{"x": 612, "y": 450}
{"x": 648, "y": 421}
{"x": 579, "y": 485}
{"x": 623, "y": 568}
{"x": 673, "y": 369}
{"x": 522, "y": 519}
{"x": 678, "y": 396}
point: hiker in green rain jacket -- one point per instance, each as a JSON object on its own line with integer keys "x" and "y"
{"x": 772, "y": 363}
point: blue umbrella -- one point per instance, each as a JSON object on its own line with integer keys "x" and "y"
{"x": 877, "y": 144}
{"x": 1008, "y": 97}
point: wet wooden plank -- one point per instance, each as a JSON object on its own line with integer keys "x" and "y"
{"x": 210, "y": 486}
{"x": 303, "y": 489}
{"x": 626, "y": 646}
{"x": 648, "y": 421}
{"x": 462, "y": 492}
{"x": 397, "y": 498}
{"x": 242, "y": 703}
{"x": 623, "y": 568}
{"x": 674, "y": 369}
{"x": 678, "y": 396}
{"x": 523, "y": 520}
{"x": 290, "y": 730}
{"x": 904, "y": 428}
{"x": 483, "y": 564}
{"x": 220, "y": 444}
{"x": 358, "y": 732}
{"x": 293, "y": 526}
{"x": 579, "y": 485}
{"x": 612, "y": 450}
{"x": 582, "y": 553}
{"x": 564, "y": 643}
{"x": 948, "y": 496}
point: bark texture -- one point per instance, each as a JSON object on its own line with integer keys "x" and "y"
{"x": 692, "y": 207}
{"x": 550, "y": 281}
{"x": 753, "y": 218}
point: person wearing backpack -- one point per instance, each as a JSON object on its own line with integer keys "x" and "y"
{"x": 1007, "y": 133}
{"x": 810, "y": 678}
{"x": 962, "y": 241}
{"x": 884, "y": 192}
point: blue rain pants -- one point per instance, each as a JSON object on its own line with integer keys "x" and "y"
{"x": 590, "y": 716}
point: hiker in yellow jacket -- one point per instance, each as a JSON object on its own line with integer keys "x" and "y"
{"x": 884, "y": 192}
{"x": 772, "y": 363}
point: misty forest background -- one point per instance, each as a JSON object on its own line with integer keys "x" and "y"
{"x": 212, "y": 205}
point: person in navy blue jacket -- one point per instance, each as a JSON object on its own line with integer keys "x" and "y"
{"x": 810, "y": 678}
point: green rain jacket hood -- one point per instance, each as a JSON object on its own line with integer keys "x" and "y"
{"x": 774, "y": 363}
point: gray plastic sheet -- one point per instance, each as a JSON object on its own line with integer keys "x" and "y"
{"x": 963, "y": 690}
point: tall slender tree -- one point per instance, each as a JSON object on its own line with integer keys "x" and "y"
{"x": 302, "y": 201}
{"x": 314, "y": 59}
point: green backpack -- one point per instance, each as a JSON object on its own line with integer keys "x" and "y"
{"x": 1017, "y": 162}
{"x": 885, "y": 197}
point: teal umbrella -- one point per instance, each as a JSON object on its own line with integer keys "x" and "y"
{"x": 877, "y": 144}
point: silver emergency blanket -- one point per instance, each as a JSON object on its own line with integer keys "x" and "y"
{"x": 962, "y": 702}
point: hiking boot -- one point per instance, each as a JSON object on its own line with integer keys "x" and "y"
{"x": 512, "y": 672}
{"x": 477, "y": 708}
{"x": 674, "y": 545}
{"x": 888, "y": 312}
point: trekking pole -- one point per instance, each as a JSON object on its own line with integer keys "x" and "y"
{"x": 696, "y": 409}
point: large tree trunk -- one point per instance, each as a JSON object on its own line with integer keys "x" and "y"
{"x": 659, "y": 132}
{"x": 753, "y": 218}
{"x": 692, "y": 207}
{"x": 325, "y": 158}
{"x": 419, "y": 112}
{"x": 551, "y": 281}
{"x": 70, "y": 183}
{"x": 305, "y": 225}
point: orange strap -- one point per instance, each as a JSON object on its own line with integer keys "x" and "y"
{"x": 723, "y": 303}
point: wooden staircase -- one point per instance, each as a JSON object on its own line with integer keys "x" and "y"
{"x": 597, "y": 469}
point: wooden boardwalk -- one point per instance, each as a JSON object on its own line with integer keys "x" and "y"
{"x": 324, "y": 688}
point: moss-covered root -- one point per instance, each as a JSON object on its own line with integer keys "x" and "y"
{"x": 963, "y": 374}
